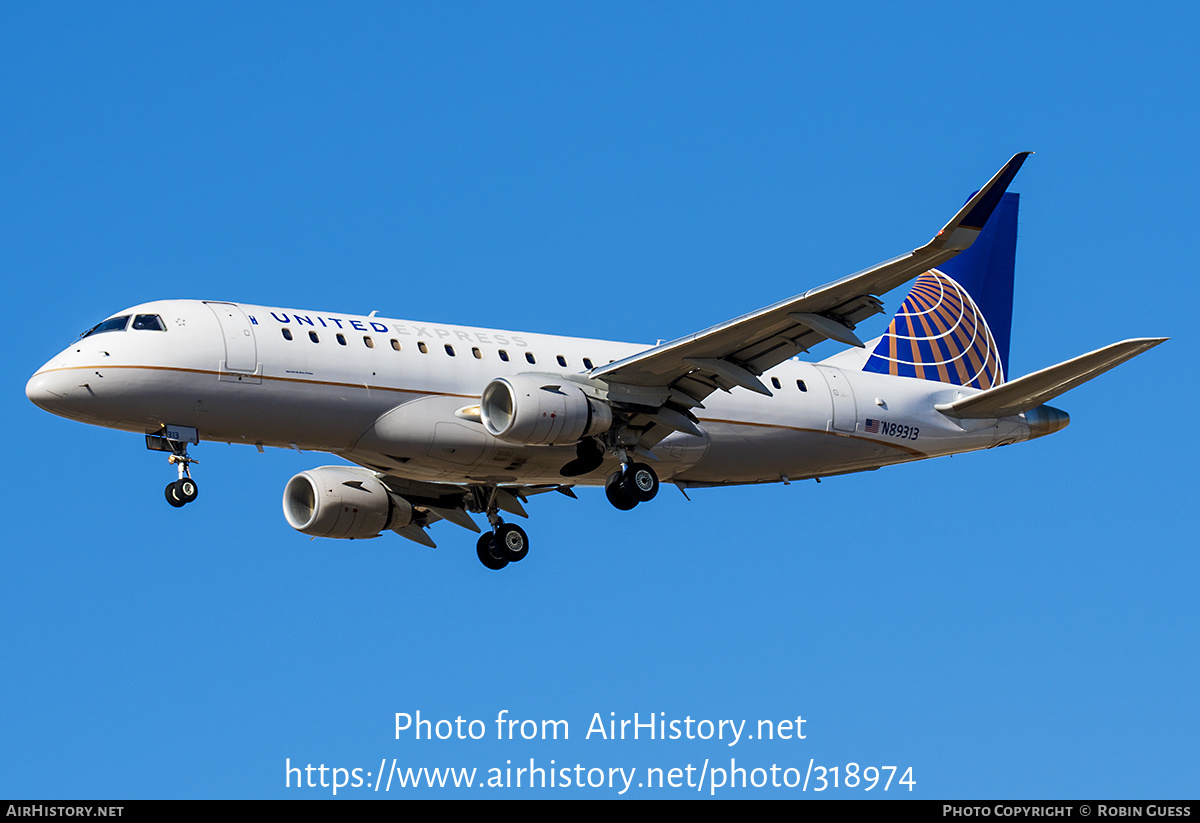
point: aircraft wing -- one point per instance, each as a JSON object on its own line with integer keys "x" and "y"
{"x": 736, "y": 352}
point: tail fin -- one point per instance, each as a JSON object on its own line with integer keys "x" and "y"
{"x": 955, "y": 324}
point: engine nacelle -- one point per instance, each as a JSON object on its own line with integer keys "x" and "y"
{"x": 541, "y": 410}
{"x": 338, "y": 501}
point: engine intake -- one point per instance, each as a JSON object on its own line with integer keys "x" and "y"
{"x": 342, "y": 502}
{"x": 541, "y": 410}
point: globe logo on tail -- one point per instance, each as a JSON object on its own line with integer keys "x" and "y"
{"x": 939, "y": 334}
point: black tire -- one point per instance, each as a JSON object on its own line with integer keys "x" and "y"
{"x": 513, "y": 542}
{"x": 484, "y": 548}
{"x": 171, "y": 498}
{"x": 614, "y": 488}
{"x": 186, "y": 489}
{"x": 640, "y": 482}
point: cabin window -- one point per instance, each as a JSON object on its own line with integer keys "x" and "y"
{"x": 312, "y": 335}
{"x": 775, "y": 383}
{"x": 449, "y": 350}
{"x": 341, "y": 338}
{"x": 422, "y": 348}
{"x": 395, "y": 344}
{"x": 562, "y": 361}
{"x": 800, "y": 385}
{"x": 287, "y": 334}
{"x": 503, "y": 355}
{"x": 111, "y": 324}
{"x": 478, "y": 354}
{"x": 587, "y": 363}
{"x": 148, "y": 322}
{"x": 529, "y": 356}
{"x": 368, "y": 342}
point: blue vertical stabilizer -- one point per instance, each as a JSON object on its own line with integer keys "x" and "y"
{"x": 955, "y": 324}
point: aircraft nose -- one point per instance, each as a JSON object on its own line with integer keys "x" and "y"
{"x": 52, "y": 391}
{"x": 41, "y": 390}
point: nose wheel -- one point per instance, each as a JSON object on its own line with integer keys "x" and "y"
{"x": 181, "y": 492}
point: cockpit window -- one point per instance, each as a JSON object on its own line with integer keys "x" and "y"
{"x": 149, "y": 322}
{"x": 111, "y": 324}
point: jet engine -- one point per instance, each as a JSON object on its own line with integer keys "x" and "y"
{"x": 339, "y": 501}
{"x": 541, "y": 410}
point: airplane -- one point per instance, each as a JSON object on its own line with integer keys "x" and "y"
{"x": 444, "y": 422}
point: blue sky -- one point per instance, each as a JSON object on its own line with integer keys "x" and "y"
{"x": 1015, "y": 623}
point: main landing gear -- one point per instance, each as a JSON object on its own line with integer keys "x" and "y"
{"x": 505, "y": 543}
{"x": 632, "y": 484}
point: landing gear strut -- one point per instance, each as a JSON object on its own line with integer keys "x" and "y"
{"x": 632, "y": 484}
{"x": 505, "y": 543}
{"x": 183, "y": 490}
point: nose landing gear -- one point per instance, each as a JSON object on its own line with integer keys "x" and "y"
{"x": 183, "y": 490}
{"x": 175, "y": 439}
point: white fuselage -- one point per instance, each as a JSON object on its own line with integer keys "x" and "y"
{"x": 384, "y": 393}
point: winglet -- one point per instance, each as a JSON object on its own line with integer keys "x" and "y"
{"x": 962, "y": 230}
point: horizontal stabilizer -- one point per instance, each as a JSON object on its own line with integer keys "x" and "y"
{"x": 1033, "y": 390}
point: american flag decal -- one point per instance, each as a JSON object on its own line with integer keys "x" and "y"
{"x": 872, "y": 426}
